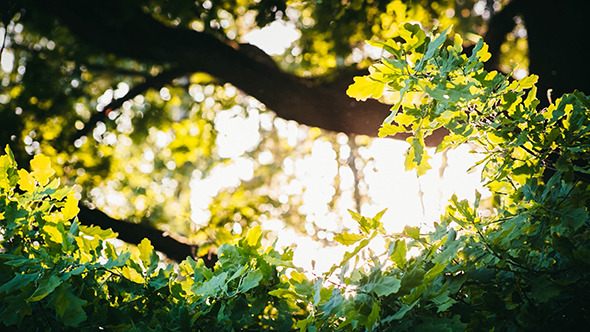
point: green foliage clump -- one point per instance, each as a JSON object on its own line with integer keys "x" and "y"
{"x": 57, "y": 274}
{"x": 525, "y": 266}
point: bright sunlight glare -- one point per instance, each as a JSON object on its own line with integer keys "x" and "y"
{"x": 274, "y": 38}
{"x": 409, "y": 200}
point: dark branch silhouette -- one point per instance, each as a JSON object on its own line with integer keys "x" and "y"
{"x": 172, "y": 246}
{"x": 316, "y": 102}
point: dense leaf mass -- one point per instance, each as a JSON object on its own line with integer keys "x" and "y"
{"x": 517, "y": 261}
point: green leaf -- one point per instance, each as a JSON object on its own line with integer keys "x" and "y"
{"x": 69, "y": 307}
{"x": 251, "y": 280}
{"x": 120, "y": 261}
{"x": 374, "y": 315}
{"x": 416, "y": 156}
{"x": 15, "y": 308}
{"x": 19, "y": 281}
{"x": 334, "y": 304}
{"x": 413, "y": 278}
{"x": 22, "y": 261}
{"x": 433, "y": 47}
{"x": 348, "y": 238}
{"x": 384, "y": 286}
{"x": 317, "y": 291}
{"x": 400, "y": 313}
{"x": 215, "y": 287}
{"x": 46, "y": 285}
{"x": 413, "y": 232}
{"x": 399, "y": 253}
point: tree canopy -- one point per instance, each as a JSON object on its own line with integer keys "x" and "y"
{"x": 126, "y": 96}
{"x": 521, "y": 265}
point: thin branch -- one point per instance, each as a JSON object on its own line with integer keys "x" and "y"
{"x": 173, "y": 247}
{"x": 317, "y": 102}
{"x": 352, "y": 164}
{"x": 116, "y": 70}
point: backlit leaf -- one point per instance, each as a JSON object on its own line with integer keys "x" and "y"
{"x": 70, "y": 209}
{"x": 145, "y": 251}
{"x": 41, "y": 169}
{"x": 27, "y": 181}
{"x": 365, "y": 87}
{"x": 399, "y": 253}
{"x": 348, "y": 238}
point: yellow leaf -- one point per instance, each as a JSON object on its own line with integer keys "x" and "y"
{"x": 41, "y": 166}
{"x": 298, "y": 277}
{"x": 5, "y": 165}
{"x": 26, "y": 180}
{"x": 458, "y": 44}
{"x": 70, "y": 209}
{"x": 145, "y": 251}
{"x": 483, "y": 54}
{"x": 54, "y": 233}
{"x": 389, "y": 129}
{"x": 404, "y": 119}
{"x": 494, "y": 139}
{"x": 365, "y": 87}
{"x": 254, "y": 236}
{"x": 527, "y": 82}
{"x": 132, "y": 275}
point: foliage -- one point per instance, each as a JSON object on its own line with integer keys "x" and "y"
{"x": 147, "y": 151}
{"x": 524, "y": 267}
{"x": 527, "y": 264}
{"x": 58, "y": 274}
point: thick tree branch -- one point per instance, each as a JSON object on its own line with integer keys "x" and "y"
{"x": 137, "y": 35}
{"x": 173, "y": 247}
